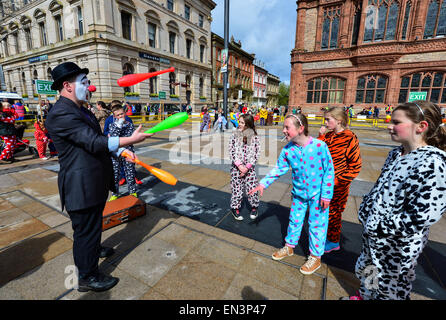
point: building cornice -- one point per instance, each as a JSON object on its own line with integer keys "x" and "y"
{"x": 373, "y": 53}
{"x": 20, "y": 11}
{"x": 176, "y": 16}
{"x": 92, "y": 38}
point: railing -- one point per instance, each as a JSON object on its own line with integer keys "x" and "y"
{"x": 358, "y": 121}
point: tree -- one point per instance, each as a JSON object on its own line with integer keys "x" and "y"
{"x": 284, "y": 94}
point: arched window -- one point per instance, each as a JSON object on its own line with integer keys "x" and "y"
{"x": 24, "y": 86}
{"x": 48, "y": 74}
{"x": 201, "y": 88}
{"x": 356, "y": 22}
{"x": 153, "y": 88}
{"x": 435, "y": 19}
{"x": 432, "y": 82}
{"x": 56, "y": 9}
{"x": 381, "y": 20}
{"x": 172, "y": 80}
{"x": 153, "y": 27}
{"x": 35, "y": 77}
{"x": 127, "y": 68}
{"x": 371, "y": 89}
{"x": 406, "y": 20}
{"x": 330, "y": 28}
{"x": 325, "y": 90}
{"x": 126, "y": 24}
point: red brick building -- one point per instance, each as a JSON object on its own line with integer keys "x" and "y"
{"x": 368, "y": 52}
{"x": 240, "y": 71}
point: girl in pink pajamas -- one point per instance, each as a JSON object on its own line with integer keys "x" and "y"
{"x": 244, "y": 151}
{"x": 313, "y": 180}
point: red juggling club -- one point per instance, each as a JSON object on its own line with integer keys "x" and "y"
{"x": 132, "y": 79}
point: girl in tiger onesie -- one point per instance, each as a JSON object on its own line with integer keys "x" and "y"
{"x": 344, "y": 149}
{"x": 244, "y": 151}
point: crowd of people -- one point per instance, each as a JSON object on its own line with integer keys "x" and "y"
{"x": 261, "y": 115}
{"x": 408, "y": 197}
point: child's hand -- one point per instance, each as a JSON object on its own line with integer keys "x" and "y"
{"x": 325, "y": 204}
{"x": 322, "y": 130}
{"x": 259, "y": 188}
{"x": 243, "y": 169}
{"x": 132, "y": 157}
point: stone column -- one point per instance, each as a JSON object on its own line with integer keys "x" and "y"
{"x": 142, "y": 66}
{"x": 350, "y": 89}
{"x": 297, "y": 87}
{"x": 300, "y": 27}
{"x": 393, "y": 87}
{"x": 420, "y": 12}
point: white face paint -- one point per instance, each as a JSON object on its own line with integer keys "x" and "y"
{"x": 82, "y": 87}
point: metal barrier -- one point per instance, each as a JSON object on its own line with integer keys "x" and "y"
{"x": 353, "y": 122}
{"x": 312, "y": 119}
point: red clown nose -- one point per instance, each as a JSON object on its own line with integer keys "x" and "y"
{"x": 92, "y": 88}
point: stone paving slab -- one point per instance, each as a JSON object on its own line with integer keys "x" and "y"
{"x": 30, "y": 253}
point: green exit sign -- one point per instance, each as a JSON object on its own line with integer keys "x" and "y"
{"x": 162, "y": 94}
{"x": 44, "y": 87}
{"x": 422, "y": 95}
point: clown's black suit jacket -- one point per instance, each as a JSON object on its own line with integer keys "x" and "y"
{"x": 86, "y": 172}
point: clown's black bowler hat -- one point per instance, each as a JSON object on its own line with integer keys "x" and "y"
{"x": 64, "y": 71}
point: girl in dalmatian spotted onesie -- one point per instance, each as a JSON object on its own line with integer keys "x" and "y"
{"x": 122, "y": 128}
{"x": 408, "y": 197}
{"x": 244, "y": 150}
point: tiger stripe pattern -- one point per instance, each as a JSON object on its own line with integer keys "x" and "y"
{"x": 346, "y": 155}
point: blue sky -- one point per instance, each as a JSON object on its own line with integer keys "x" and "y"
{"x": 265, "y": 27}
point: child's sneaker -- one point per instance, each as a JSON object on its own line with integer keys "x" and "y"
{"x": 134, "y": 194}
{"x": 137, "y": 181}
{"x": 122, "y": 181}
{"x": 331, "y": 246}
{"x": 254, "y": 214}
{"x": 283, "y": 253}
{"x": 113, "y": 197}
{"x": 312, "y": 264}
{"x": 236, "y": 214}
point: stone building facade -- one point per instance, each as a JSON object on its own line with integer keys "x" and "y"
{"x": 111, "y": 38}
{"x": 368, "y": 52}
{"x": 272, "y": 90}
{"x": 260, "y": 75}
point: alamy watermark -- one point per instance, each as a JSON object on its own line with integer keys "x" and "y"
{"x": 72, "y": 279}
{"x": 370, "y": 277}
{"x": 213, "y": 148}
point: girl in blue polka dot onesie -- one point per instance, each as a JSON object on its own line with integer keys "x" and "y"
{"x": 313, "y": 180}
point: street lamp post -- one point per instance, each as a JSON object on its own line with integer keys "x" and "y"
{"x": 225, "y": 75}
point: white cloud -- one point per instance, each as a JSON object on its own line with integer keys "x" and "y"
{"x": 265, "y": 27}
